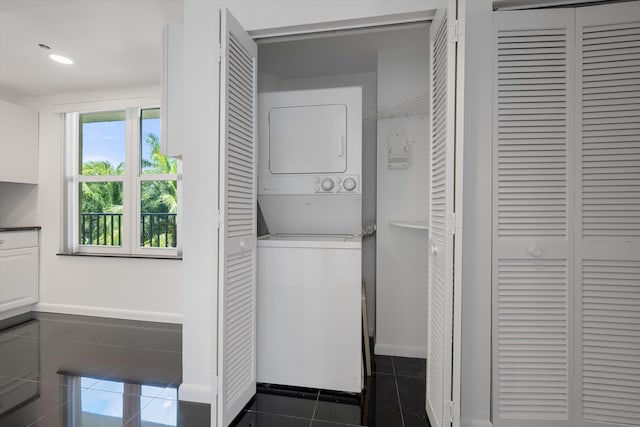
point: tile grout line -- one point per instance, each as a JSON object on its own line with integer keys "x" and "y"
{"x": 63, "y": 340}
{"x": 110, "y": 376}
{"x": 410, "y": 376}
{"x": 253, "y": 411}
{"x": 315, "y": 407}
{"x": 395, "y": 379}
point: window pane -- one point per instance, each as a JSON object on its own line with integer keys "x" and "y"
{"x": 101, "y": 213}
{"x": 158, "y": 207}
{"x": 151, "y": 161}
{"x": 88, "y": 382}
{"x": 101, "y": 408}
{"x": 103, "y": 143}
{"x": 159, "y": 413}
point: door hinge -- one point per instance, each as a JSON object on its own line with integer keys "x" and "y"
{"x": 454, "y": 31}
{"x": 216, "y": 386}
{"x": 458, "y": 222}
{"x": 221, "y": 53}
{"x": 220, "y": 221}
{"x": 451, "y": 412}
{"x": 451, "y": 223}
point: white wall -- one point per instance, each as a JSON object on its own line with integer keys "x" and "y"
{"x": 200, "y": 234}
{"x": 18, "y": 204}
{"x": 402, "y": 268}
{"x": 143, "y": 289}
{"x": 368, "y": 82}
{"x": 476, "y": 252}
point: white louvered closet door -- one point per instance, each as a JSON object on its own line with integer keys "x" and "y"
{"x": 237, "y": 205}
{"x": 440, "y": 405}
{"x": 532, "y": 210}
{"x": 608, "y": 229}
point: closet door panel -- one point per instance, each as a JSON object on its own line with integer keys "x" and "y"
{"x": 608, "y": 229}
{"x": 609, "y": 338}
{"x": 237, "y": 204}
{"x": 442, "y": 394}
{"x": 532, "y": 234}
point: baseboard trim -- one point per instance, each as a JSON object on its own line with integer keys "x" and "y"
{"x": 475, "y": 423}
{"x": 195, "y": 393}
{"x": 115, "y": 313}
{"x": 15, "y": 312}
{"x": 400, "y": 350}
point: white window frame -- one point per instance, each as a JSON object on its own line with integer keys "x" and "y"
{"x": 131, "y": 191}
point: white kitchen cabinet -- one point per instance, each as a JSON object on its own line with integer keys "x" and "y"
{"x": 19, "y": 254}
{"x": 18, "y": 144}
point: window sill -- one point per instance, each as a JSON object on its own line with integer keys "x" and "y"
{"x": 87, "y": 254}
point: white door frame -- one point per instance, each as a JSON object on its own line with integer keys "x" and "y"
{"x": 349, "y": 24}
{"x": 427, "y": 15}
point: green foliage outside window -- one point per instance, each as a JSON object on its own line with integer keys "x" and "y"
{"x": 98, "y": 200}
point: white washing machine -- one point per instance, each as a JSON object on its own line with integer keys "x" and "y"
{"x": 309, "y": 302}
{"x": 309, "y": 292}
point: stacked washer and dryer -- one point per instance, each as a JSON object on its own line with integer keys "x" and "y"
{"x": 309, "y": 262}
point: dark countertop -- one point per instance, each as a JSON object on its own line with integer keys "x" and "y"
{"x": 23, "y": 228}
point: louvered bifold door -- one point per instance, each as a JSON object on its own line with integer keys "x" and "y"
{"x": 608, "y": 224}
{"x": 441, "y": 226}
{"x": 237, "y": 262}
{"x": 532, "y": 210}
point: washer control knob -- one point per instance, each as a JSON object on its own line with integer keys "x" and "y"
{"x": 327, "y": 184}
{"x": 349, "y": 184}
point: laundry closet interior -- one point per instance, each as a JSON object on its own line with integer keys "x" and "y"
{"x": 342, "y": 201}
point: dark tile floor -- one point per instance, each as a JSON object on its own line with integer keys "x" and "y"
{"x": 63, "y": 371}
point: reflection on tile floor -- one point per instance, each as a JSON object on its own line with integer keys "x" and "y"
{"x": 64, "y": 371}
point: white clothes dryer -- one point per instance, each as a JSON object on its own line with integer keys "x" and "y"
{"x": 310, "y": 141}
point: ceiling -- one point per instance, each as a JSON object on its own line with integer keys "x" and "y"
{"x": 345, "y": 52}
{"x": 115, "y": 44}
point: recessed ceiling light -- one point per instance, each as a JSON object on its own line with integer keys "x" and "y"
{"x": 61, "y": 59}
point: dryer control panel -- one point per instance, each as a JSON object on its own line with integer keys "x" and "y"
{"x": 336, "y": 184}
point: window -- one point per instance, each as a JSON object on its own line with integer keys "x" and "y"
{"x": 122, "y": 193}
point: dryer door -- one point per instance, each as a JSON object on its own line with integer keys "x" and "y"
{"x": 308, "y": 139}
